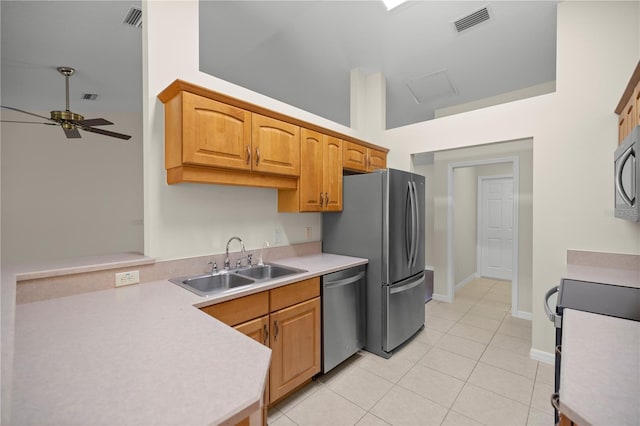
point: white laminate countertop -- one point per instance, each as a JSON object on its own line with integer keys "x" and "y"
{"x": 141, "y": 354}
{"x": 600, "y": 374}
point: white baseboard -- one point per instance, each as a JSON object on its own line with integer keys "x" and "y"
{"x": 467, "y": 280}
{"x": 441, "y": 298}
{"x": 524, "y": 315}
{"x": 546, "y": 357}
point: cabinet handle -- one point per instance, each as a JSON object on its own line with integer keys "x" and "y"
{"x": 559, "y": 350}
{"x": 266, "y": 335}
{"x": 257, "y": 155}
{"x": 248, "y": 155}
{"x": 275, "y": 333}
{"x": 326, "y": 199}
{"x": 321, "y": 200}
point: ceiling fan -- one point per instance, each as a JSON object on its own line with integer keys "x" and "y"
{"x": 70, "y": 122}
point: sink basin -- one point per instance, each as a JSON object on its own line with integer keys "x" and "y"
{"x": 206, "y": 285}
{"x": 210, "y": 284}
{"x": 268, "y": 272}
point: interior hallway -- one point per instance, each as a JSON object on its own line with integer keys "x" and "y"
{"x": 470, "y": 365}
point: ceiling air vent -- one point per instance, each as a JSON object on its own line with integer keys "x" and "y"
{"x": 472, "y": 19}
{"x": 89, "y": 96}
{"x": 134, "y": 17}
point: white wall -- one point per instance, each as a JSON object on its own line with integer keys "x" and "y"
{"x": 187, "y": 219}
{"x": 465, "y": 202}
{"x": 574, "y": 135}
{"x": 67, "y": 198}
{"x": 521, "y": 149}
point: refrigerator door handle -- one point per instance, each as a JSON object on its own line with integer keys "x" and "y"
{"x": 416, "y": 223}
{"x": 405, "y": 287}
{"x": 408, "y": 231}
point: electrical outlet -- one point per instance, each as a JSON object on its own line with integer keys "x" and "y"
{"x": 307, "y": 233}
{"x": 277, "y": 235}
{"x": 127, "y": 278}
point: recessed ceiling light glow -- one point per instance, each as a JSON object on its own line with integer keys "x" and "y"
{"x": 390, "y": 4}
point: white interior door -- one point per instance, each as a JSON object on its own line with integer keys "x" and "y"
{"x": 496, "y": 243}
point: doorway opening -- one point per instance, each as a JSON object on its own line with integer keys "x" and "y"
{"x": 508, "y": 260}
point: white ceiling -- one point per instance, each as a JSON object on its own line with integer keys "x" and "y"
{"x": 300, "y": 52}
{"x": 39, "y": 36}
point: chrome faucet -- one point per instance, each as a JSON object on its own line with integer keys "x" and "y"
{"x": 260, "y": 260}
{"x": 242, "y": 252}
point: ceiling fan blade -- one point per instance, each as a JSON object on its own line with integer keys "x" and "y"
{"x": 72, "y": 133}
{"x": 93, "y": 122}
{"x": 28, "y": 122}
{"x": 106, "y": 133}
{"x": 26, "y": 112}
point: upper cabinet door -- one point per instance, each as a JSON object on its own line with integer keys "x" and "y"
{"x": 215, "y": 134}
{"x": 276, "y": 146}
{"x": 332, "y": 178}
{"x": 311, "y": 185}
{"x": 377, "y": 160}
{"x": 354, "y": 157}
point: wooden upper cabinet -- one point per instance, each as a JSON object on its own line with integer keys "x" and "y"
{"x": 360, "y": 158}
{"x": 354, "y": 157}
{"x": 311, "y": 184}
{"x": 628, "y": 108}
{"x": 332, "y": 176}
{"x": 377, "y": 160}
{"x": 213, "y": 138}
{"x": 276, "y": 146}
{"x": 320, "y": 184}
{"x": 215, "y": 134}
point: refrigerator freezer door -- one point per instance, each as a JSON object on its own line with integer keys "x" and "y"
{"x": 404, "y": 311}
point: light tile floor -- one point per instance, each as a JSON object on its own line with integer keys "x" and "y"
{"x": 470, "y": 365}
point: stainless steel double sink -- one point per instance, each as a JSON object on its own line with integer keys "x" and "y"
{"x": 219, "y": 282}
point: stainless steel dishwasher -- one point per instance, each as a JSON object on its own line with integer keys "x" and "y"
{"x": 343, "y": 315}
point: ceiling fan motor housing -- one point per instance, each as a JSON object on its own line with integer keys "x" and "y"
{"x": 66, "y": 115}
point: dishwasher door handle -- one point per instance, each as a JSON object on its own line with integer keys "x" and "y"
{"x": 344, "y": 281}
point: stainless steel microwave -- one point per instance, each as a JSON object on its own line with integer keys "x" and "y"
{"x": 627, "y": 177}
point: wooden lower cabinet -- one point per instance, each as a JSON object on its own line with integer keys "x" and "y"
{"x": 257, "y": 329}
{"x": 566, "y": 421}
{"x": 287, "y": 319}
{"x": 295, "y": 345}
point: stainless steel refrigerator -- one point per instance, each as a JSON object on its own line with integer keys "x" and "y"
{"x": 383, "y": 220}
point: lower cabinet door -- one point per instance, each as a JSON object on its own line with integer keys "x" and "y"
{"x": 295, "y": 345}
{"x": 257, "y": 329}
